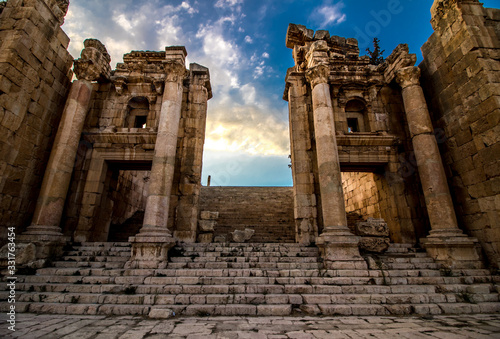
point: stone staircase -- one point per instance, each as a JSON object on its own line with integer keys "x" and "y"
{"x": 251, "y": 279}
{"x": 266, "y": 210}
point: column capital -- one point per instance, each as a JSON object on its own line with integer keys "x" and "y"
{"x": 318, "y": 74}
{"x": 408, "y": 76}
{"x": 174, "y": 71}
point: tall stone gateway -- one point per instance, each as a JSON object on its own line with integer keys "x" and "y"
{"x": 348, "y": 116}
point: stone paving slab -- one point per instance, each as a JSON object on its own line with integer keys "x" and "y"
{"x": 46, "y": 326}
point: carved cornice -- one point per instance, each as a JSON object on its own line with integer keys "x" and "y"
{"x": 318, "y": 75}
{"x": 408, "y": 76}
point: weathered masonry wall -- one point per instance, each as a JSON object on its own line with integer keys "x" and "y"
{"x": 460, "y": 75}
{"x": 361, "y": 194}
{"x": 267, "y": 210}
{"x": 129, "y": 195}
{"x": 34, "y": 81}
{"x": 369, "y": 195}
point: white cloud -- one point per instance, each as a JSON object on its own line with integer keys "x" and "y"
{"x": 248, "y": 39}
{"x": 216, "y": 46}
{"x": 328, "y": 14}
{"x": 123, "y": 26}
{"x": 248, "y": 94}
{"x": 242, "y": 118}
{"x": 188, "y": 7}
{"x": 227, "y": 3}
{"x": 122, "y": 20}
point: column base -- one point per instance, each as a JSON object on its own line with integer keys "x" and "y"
{"x": 339, "y": 249}
{"x": 149, "y": 252}
{"x": 452, "y": 249}
{"x": 48, "y": 240}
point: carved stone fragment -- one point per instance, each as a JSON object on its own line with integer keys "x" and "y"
{"x": 374, "y": 244}
{"x": 242, "y": 236}
{"x": 372, "y": 228}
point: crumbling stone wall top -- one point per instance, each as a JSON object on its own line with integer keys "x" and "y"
{"x": 94, "y": 62}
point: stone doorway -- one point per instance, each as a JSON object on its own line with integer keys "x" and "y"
{"x": 114, "y": 190}
{"x": 375, "y": 192}
{"x": 127, "y": 193}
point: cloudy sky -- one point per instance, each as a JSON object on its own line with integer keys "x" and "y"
{"x": 242, "y": 42}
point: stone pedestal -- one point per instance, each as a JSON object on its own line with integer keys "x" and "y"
{"x": 149, "y": 252}
{"x": 453, "y": 249}
{"x": 150, "y": 246}
{"x": 446, "y": 243}
{"x": 338, "y": 246}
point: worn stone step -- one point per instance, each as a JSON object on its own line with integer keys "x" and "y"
{"x": 88, "y": 264}
{"x": 94, "y": 253}
{"x": 267, "y": 259}
{"x": 254, "y": 299}
{"x": 245, "y": 265}
{"x": 95, "y": 258}
{"x": 268, "y": 310}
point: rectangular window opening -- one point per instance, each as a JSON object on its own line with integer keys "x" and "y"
{"x": 140, "y": 121}
{"x": 352, "y": 125}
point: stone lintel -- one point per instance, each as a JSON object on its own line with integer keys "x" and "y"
{"x": 367, "y": 139}
{"x": 123, "y": 136}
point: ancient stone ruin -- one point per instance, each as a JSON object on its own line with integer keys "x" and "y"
{"x": 394, "y": 208}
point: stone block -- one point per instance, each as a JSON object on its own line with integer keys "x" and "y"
{"x": 374, "y": 244}
{"x": 207, "y": 225}
{"x": 372, "y": 228}
{"x": 242, "y": 236}
{"x": 207, "y": 215}
{"x": 205, "y": 237}
{"x": 161, "y": 313}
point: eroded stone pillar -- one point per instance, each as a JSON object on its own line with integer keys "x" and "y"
{"x": 446, "y": 243}
{"x": 192, "y": 154}
{"x": 305, "y": 212}
{"x": 150, "y": 246}
{"x": 338, "y": 246}
{"x": 44, "y": 230}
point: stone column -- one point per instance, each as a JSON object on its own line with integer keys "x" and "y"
{"x": 446, "y": 243}
{"x": 338, "y": 246}
{"x": 305, "y": 209}
{"x": 191, "y": 154}
{"x": 150, "y": 246}
{"x": 44, "y": 230}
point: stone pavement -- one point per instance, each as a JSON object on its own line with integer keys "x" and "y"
{"x": 132, "y": 327}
